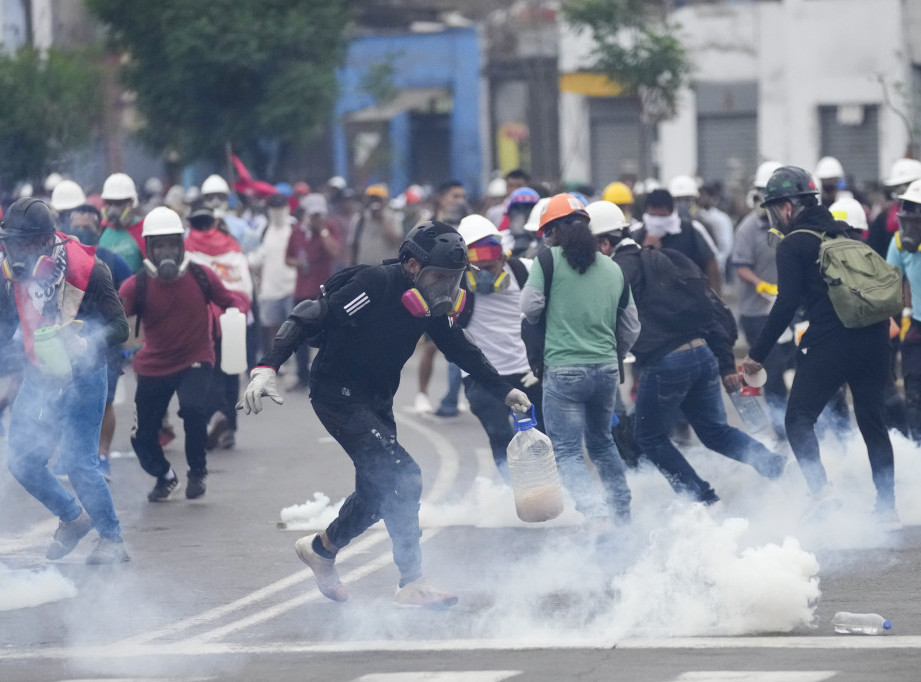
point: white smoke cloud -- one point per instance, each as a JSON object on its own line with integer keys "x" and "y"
{"x": 20, "y": 589}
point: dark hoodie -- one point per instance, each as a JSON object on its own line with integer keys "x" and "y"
{"x": 799, "y": 282}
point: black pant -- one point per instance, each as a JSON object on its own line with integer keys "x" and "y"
{"x": 775, "y": 364}
{"x": 388, "y": 482}
{"x": 911, "y": 374}
{"x": 223, "y": 391}
{"x": 859, "y": 358}
{"x": 151, "y": 401}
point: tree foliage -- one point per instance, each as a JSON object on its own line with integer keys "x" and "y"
{"x": 208, "y": 73}
{"x": 637, "y": 47}
{"x": 50, "y": 106}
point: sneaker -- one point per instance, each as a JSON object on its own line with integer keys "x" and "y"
{"x": 219, "y": 424}
{"x": 422, "y": 403}
{"x": 227, "y": 440}
{"x": 167, "y": 436}
{"x": 888, "y": 519}
{"x": 422, "y": 594}
{"x": 195, "y": 486}
{"x": 446, "y": 412}
{"x": 163, "y": 489}
{"x": 108, "y": 552}
{"x": 324, "y": 570}
{"x": 68, "y": 534}
{"x": 105, "y": 467}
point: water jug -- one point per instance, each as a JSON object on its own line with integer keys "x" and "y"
{"x": 233, "y": 341}
{"x": 533, "y": 473}
{"x": 51, "y": 354}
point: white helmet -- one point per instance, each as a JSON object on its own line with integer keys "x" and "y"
{"x": 912, "y": 194}
{"x": 829, "y": 167}
{"x": 191, "y": 194}
{"x": 119, "y": 187}
{"x": 52, "y": 181}
{"x": 532, "y": 224}
{"x": 850, "y": 211}
{"x": 475, "y": 227}
{"x": 683, "y": 186}
{"x": 162, "y": 221}
{"x": 66, "y": 195}
{"x": 215, "y": 184}
{"x": 26, "y": 190}
{"x": 764, "y": 173}
{"x": 153, "y": 185}
{"x": 497, "y": 188}
{"x": 903, "y": 172}
{"x": 605, "y": 217}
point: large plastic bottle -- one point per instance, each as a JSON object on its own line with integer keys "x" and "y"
{"x": 51, "y": 354}
{"x": 533, "y": 473}
{"x": 860, "y": 623}
{"x": 752, "y": 408}
{"x": 233, "y": 341}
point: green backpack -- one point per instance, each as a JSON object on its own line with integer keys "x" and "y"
{"x": 864, "y": 289}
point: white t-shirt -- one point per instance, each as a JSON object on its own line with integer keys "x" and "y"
{"x": 496, "y": 327}
{"x": 278, "y": 278}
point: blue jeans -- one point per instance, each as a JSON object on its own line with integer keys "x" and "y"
{"x": 689, "y": 381}
{"x": 46, "y": 415}
{"x": 578, "y": 403}
{"x": 448, "y": 405}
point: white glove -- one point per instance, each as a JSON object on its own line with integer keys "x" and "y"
{"x": 529, "y": 380}
{"x": 262, "y": 383}
{"x": 518, "y": 401}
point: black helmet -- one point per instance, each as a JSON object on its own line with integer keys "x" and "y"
{"x": 27, "y": 217}
{"x": 787, "y": 182}
{"x": 437, "y": 244}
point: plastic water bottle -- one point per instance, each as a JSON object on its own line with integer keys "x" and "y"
{"x": 752, "y": 408}
{"x": 533, "y": 474}
{"x": 51, "y": 354}
{"x": 860, "y": 623}
{"x": 233, "y": 341}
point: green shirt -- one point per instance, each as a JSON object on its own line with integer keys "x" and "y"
{"x": 122, "y": 243}
{"x": 582, "y": 315}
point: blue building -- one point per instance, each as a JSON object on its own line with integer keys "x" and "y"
{"x": 409, "y": 110}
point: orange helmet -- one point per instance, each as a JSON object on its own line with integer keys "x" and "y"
{"x": 560, "y": 206}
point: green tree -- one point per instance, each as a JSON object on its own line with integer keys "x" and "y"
{"x": 256, "y": 74}
{"x": 637, "y": 47}
{"x": 49, "y": 106}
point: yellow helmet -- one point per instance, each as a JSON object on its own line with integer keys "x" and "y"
{"x": 617, "y": 193}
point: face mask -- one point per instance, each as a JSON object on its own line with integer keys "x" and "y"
{"x": 776, "y": 219}
{"x": 166, "y": 261}
{"x": 437, "y": 292}
{"x": 86, "y": 236}
{"x": 484, "y": 282}
{"x": 661, "y": 225}
{"x": 26, "y": 260}
{"x": 217, "y": 204}
{"x": 116, "y": 216}
{"x": 909, "y": 236}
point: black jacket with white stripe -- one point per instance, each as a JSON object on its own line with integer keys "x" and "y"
{"x": 370, "y": 335}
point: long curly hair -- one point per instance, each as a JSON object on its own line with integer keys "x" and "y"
{"x": 578, "y": 243}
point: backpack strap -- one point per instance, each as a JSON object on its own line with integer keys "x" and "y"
{"x": 545, "y": 258}
{"x": 201, "y": 278}
{"x": 821, "y": 235}
{"x": 520, "y": 271}
{"x": 140, "y": 296}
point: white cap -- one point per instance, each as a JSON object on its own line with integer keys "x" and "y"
{"x": 475, "y": 227}
{"x": 66, "y": 195}
{"x": 828, "y": 167}
{"x": 52, "y": 181}
{"x": 850, "y": 211}
{"x": 605, "y": 217}
{"x": 496, "y": 188}
{"x": 119, "y": 187}
{"x": 215, "y": 184}
{"x": 314, "y": 203}
{"x": 533, "y": 222}
{"x": 161, "y": 221}
{"x": 764, "y": 173}
{"x": 683, "y": 186}
{"x": 904, "y": 171}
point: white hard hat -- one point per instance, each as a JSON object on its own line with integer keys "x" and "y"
{"x": 912, "y": 194}
{"x": 828, "y": 167}
{"x": 161, "y": 221}
{"x": 764, "y": 173}
{"x": 496, "y": 188}
{"x": 52, "y": 181}
{"x": 119, "y": 187}
{"x": 66, "y": 195}
{"x": 683, "y": 186}
{"x": 605, "y": 217}
{"x": 532, "y": 224}
{"x": 850, "y": 211}
{"x": 904, "y": 171}
{"x": 475, "y": 227}
{"x": 215, "y": 184}
{"x": 337, "y": 181}
{"x": 153, "y": 185}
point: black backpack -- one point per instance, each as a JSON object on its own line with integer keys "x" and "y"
{"x": 315, "y": 330}
{"x": 140, "y": 290}
{"x": 533, "y": 334}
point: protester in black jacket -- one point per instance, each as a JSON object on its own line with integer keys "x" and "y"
{"x": 829, "y": 354}
{"x": 371, "y": 326}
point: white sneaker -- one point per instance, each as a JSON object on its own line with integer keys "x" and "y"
{"x": 888, "y": 520}
{"x": 324, "y": 570}
{"x": 421, "y": 593}
{"x": 422, "y": 403}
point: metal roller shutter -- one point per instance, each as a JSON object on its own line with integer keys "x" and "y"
{"x": 615, "y": 139}
{"x": 854, "y": 144}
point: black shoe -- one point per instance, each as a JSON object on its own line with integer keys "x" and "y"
{"x": 68, "y": 534}
{"x": 163, "y": 489}
{"x": 195, "y": 486}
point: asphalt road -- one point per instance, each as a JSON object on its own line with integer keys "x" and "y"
{"x": 215, "y": 591}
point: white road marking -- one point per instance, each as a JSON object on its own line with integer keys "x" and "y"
{"x": 757, "y": 676}
{"x": 442, "y": 676}
{"x": 449, "y": 460}
{"x": 790, "y": 642}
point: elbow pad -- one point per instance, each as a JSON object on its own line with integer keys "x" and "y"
{"x": 304, "y": 323}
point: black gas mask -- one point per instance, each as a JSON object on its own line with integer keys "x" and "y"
{"x": 909, "y": 217}
{"x": 166, "y": 257}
